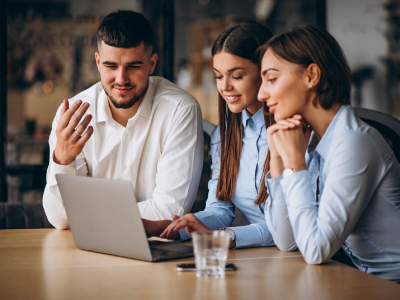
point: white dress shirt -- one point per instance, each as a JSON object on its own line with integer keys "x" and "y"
{"x": 160, "y": 151}
{"x": 349, "y": 198}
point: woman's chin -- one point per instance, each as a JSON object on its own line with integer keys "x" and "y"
{"x": 235, "y": 110}
{"x": 278, "y": 116}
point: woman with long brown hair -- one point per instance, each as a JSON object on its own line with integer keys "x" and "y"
{"x": 335, "y": 181}
{"x": 238, "y": 144}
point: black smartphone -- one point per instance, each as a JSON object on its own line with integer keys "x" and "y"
{"x": 192, "y": 267}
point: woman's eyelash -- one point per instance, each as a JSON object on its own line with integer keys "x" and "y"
{"x": 238, "y": 77}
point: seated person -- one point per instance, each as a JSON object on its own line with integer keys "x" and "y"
{"x": 142, "y": 129}
{"x": 341, "y": 188}
{"x": 238, "y": 146}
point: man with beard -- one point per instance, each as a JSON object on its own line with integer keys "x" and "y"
{"x": 129, "y": 126}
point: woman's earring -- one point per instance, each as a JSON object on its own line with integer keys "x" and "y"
{"x": 310, "y": 86}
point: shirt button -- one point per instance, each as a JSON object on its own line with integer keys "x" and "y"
{"x": 70, "y": 171}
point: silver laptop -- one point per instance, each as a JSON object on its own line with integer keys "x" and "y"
{"x": 104, "y": 217}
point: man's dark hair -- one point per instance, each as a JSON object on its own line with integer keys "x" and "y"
{"x": 125, "y": 29}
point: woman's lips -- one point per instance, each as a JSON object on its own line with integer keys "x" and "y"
{"x": 272, "y": 108}
{"x": 232, "y": 99}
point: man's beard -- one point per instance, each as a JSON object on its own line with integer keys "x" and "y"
{"x": 131, "y": 102}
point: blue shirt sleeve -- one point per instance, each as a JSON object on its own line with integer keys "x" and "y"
{"x": 218, "y": 214}
{"x": 350, "y": 184}
{"x": 253, "y": 235}
{"x": 276, "y": 215}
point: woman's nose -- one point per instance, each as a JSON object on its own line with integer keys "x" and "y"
{"x": 226, "y": 86}
{"x": 262, "y": 93}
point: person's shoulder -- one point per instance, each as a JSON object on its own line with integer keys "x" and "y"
{"x": 353, "y": 137}
{"x": 350, "y": 127}
{"x": 89, "y": 95}
{"x": 165, "y": 90}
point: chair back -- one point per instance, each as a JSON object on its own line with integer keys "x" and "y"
{"x": 387, "y": 125}
{"x": 208, "y": 128}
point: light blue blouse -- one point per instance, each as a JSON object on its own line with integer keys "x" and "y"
{"x": 356, "y": 205}
{"x": 218, "y": 214}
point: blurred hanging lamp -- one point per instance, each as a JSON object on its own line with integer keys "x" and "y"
{"x": 263, "y": 9}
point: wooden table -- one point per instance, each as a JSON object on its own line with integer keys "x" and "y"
{"x": 45, "y": 264}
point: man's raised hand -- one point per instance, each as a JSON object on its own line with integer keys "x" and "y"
{"x": 70, "y": 140}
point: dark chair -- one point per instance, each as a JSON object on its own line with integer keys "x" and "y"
{"x": 387, "y": 125}
{"x": 23, "y": 216}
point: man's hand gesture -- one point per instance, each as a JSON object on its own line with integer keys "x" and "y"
{"x": 70, "y": 140}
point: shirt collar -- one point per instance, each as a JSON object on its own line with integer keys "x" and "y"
{"x": 103, "y": 108}
{"x": 147, "y": 103}
{"x": 322, "y": 147}
{"x": 103, "y": 111}
{"x": 258, "y": 118}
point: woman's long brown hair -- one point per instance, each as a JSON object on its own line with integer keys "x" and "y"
{"x": 241, "y": 40}
{"x": 231, "y": 137}
{"x": 262, "y": 190}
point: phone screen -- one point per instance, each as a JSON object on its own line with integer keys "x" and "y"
{"x": 192, "y": 267}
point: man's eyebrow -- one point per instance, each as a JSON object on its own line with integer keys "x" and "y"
{"x": 136, "y": 62}
{"x": 269, "y": 69}
{"x": 231, "y": 70}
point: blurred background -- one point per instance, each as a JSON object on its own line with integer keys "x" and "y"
{"x": 47, "y": 54}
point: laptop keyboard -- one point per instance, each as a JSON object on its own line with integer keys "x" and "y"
{"x": 157, "y": 252}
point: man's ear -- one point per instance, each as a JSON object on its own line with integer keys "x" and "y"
{"x": 312, "y": 75}
{"x": 97, "y": 57}
{"x": 153, "y": 62}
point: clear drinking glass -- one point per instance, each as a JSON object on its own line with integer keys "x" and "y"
{"x": 210, "y": 251}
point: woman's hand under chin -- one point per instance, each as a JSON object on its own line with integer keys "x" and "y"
{"x": 290, "y": 139}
